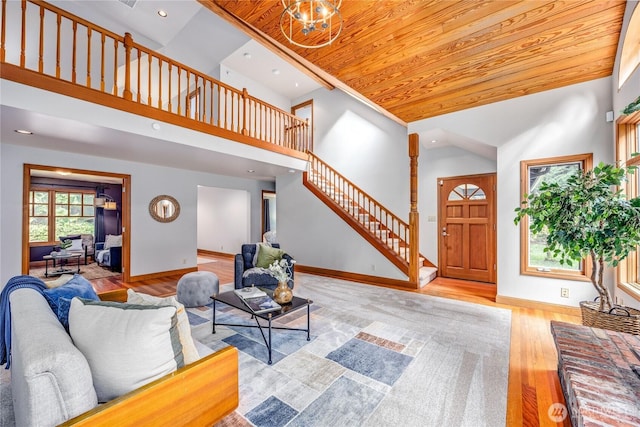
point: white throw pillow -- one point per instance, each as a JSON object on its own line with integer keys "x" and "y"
{"x": 126, "y": 345}
{"x": 113, "y": 241}
{"x": 189, "y": 349}
{"x": 76, "y": 245}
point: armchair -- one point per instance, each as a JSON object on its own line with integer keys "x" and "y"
{"x": 109, "y": 253}
{"x": 247, "y": 274}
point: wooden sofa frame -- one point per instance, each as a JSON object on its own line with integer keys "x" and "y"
{"x": 199, "y": 394}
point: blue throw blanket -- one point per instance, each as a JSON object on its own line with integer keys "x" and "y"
{"x": 14, "y": 283}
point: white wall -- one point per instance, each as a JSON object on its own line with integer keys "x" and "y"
{"x": 314, "y": 235}
{"x": 441, "y": 163}
{"x": 224, "y": 218}
{"x": 558, "y": 122}
{"x": 621, "y": 98}
{"x": 255, "y": 89}
{"x": 370, "y": 150}
{"x": 155, "y": 246}
{"x": 365, "y": 146}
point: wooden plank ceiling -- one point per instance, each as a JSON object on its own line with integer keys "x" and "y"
{"x": 419, "y": 58}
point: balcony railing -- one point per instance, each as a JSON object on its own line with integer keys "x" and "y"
{"x": 42, "y": 38}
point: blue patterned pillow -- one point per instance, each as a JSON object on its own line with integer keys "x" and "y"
{"x": 78, "y": 286}
{"x": 64, "y": 304}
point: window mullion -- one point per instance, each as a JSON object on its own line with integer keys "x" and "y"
{"x": 52, "y": 216}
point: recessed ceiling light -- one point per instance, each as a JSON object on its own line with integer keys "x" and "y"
{"x": 155, "y": 126}
{"x": 162, "y": 13}
{"x": 297, "y": 84}
{"x": 250, "y": 170}
{"x": 433, "y": 141}
{"x": 247, "y": 55}
{"x": 275, "y": 71}
{"x": 24, "y": 132}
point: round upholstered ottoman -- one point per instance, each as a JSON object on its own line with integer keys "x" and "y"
{"x": 195, "y": 289}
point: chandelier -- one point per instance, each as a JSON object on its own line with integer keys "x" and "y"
{"x": 311, "y": 23}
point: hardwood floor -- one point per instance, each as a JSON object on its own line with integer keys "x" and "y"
{"x": 533, "y": 381}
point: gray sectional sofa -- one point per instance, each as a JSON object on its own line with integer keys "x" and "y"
{"x": 52, "y": 383}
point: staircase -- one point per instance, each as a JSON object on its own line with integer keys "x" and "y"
{"x": 381, "y": 228}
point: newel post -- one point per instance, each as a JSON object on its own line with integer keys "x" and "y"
{"x": 128, "y": 43}
{"x": 414, "y": 216}
{"x": 245, "y": 96}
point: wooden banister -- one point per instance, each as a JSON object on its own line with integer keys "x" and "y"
{"x": 378, "y": 225}
{"x": 396, "y": 239}
{"x": 414, "y": 216}
{"x": 132, "y": 72}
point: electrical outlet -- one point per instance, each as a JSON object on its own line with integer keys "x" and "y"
{"x": 373, "y": 267}
{"x": 564, "y": 292}
{"x": 184, "y": 260}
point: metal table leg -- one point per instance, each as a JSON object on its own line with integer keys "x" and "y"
{"x": 308, "y": 323}
{"x": 269, "y": 345}
{"x": 214, "y": 315}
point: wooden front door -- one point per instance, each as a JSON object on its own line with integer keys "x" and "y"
{"x": 467, "y": 236}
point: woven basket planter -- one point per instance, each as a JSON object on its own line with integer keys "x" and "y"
{"x": 619, "y": 319}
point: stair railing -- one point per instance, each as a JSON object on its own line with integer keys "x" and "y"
{"x": 377, "y": 220}
{"x": 47, "y": 40}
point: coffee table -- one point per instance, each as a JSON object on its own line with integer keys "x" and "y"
{"x": 231, "y": 299}
{"x": 61, "y": 269}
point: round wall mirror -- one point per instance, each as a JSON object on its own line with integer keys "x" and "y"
{"x": 164, "y": 208}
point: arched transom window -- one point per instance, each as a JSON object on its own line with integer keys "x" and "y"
{"x": 467, "y": 192}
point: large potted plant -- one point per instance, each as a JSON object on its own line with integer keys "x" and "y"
{"x": 588, "y": 216}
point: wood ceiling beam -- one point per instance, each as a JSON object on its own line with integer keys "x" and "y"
{"x": 268, "y": 42}
{"x": 318, "y": 74}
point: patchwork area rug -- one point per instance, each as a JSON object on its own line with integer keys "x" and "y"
{"x": 376, "y": 357}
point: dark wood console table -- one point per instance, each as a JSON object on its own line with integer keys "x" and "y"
{"x": 596, "y": 369}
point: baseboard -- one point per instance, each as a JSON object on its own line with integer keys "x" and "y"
{"x": 537, "y": 305}
{"x": 163, "y": 274}
{"x": 355, "y": 277}
{"x": 220, "y": 254}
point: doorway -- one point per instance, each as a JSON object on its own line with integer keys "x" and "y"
{"x": 91, "y": 183}
{"x": 467, "y": 227}
{"x": 304, "y": 111}
{"x": 269, "y": 219}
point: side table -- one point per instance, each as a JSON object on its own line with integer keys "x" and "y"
{"x": 61, "y": 268}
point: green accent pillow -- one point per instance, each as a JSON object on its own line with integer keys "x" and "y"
{"x": 267, "y": 255}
